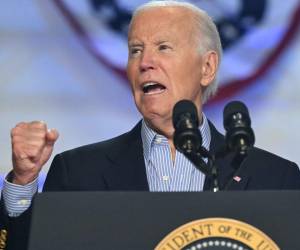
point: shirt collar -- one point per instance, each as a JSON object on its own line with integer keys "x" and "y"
{"x": 149, "y": 137}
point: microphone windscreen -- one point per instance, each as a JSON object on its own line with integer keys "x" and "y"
{"x": 232, "y": 108}
{"x": 184, "y": 107}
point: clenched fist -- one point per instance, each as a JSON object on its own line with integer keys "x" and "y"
{"x": 32, "y": 145}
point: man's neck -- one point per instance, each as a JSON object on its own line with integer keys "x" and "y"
{"x": 167, "y": 129}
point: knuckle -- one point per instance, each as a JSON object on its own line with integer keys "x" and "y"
{"x": 39, "y": 125}
{"x": 38, "y": 135}
{"x": 21, "y": 124}
{"x": 15, "y": 131}
{"x": 19, "y": 129}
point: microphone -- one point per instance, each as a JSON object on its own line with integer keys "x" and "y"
{"x": 239, "y": 134}
{"x": 187, "y": 137}
{"x": 188, "y": 140}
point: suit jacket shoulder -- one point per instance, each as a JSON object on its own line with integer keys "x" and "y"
{"x": 259, "y": 170}
{"x": 115, "y": 164}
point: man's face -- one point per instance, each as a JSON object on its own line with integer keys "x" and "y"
{"x": 164, "y": 63}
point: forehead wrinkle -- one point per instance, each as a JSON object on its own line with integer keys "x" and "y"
{"x": 177, "y": 19}
{"x": 154, "y": 35}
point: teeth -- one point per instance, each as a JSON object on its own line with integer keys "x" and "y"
{"x": 153, "y": 88}
{"x": 147, "y": 84}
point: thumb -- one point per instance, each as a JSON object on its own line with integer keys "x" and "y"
{"x": 51, "y": 136}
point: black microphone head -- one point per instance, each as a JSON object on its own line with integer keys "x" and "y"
{"x": 187, "y": 137}
{"x": 235, "y": 107}
{"x": 184, "y": 107}
{"x": 239, "y": 134}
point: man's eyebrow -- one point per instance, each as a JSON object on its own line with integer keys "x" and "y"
{"x": 134, "y": 43}
{"x": 161, "y": 42}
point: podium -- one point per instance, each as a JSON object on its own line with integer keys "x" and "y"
{"x": 141, "y": 220}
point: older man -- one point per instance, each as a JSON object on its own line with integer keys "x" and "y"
{"x": 174, "y": 53}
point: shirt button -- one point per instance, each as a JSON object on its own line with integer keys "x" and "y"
{"x": 23, "y": 202}
{"x": 158, "y": 140}
{"x": 165, "y": 178}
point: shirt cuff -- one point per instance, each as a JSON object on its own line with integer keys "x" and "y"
{"x": 17, "y": 198}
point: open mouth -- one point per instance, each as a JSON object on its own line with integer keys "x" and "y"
{"x": 151, "y": 88}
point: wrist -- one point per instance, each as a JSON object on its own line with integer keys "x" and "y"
{"x": 21, "y": 179}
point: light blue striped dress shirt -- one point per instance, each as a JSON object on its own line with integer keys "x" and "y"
{"x": 18, "y": 198}
{"x": 162, "y": 173}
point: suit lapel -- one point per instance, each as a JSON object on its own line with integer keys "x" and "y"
{"x": 127, "y": 169}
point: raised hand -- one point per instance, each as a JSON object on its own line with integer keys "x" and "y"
{"x": 32, "y": 145}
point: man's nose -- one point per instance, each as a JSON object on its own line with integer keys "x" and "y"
{"x": 147, "y": 61}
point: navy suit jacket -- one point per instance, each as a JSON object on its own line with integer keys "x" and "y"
{"x": 118, "y": 164}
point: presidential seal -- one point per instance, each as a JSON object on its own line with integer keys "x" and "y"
{"x": 217, "y": 234}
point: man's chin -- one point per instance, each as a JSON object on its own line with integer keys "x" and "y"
{"x": 155, "y": 113}
{"x": 158, "y": 120}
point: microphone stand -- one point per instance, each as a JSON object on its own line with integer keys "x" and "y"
{"x": 209, "y": 168}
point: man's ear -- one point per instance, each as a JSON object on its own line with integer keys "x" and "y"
{"x": 209, "y": 67}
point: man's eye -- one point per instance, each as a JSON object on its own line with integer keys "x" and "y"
{"x": 135, "y": 51}
{"x": 163, "y": 47}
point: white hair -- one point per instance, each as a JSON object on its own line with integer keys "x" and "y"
{"x": 209, "y": 38}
